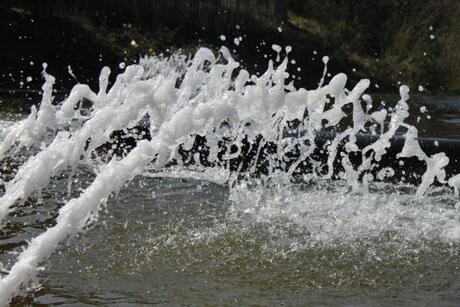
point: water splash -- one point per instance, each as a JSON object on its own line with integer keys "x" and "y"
{"x": 236, "y": 113}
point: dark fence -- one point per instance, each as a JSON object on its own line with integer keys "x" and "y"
{"x": 214, "y": 16}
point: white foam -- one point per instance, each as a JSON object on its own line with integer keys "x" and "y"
{"x": 184, "y": 98}
{"x": 333, "y": 216}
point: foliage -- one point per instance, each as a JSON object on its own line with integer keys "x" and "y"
{"x": 408, "y": 41}
{"x": 389, "y": 41}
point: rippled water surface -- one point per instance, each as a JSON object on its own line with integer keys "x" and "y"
{"x": 177, "y": 239}
{"x": 183, "y": 241}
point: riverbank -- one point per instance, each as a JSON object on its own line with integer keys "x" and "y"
{"x": 76, "y": 46}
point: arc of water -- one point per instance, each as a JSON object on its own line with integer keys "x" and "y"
{"x": 203, "y": 100}
{"x": 74, "y": 215}
{"x": 66, "y": 149}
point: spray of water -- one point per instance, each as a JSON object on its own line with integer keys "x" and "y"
{"x": 212, "y": 98}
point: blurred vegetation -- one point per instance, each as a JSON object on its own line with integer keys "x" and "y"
{"x": 388, "y": 41}
{"x": 410, "y": 41}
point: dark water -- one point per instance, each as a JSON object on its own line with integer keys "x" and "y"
{"x": 170, "y": 240}
{"x": 187, "y": 242}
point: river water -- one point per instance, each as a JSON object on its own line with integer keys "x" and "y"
{"x": 178, "y": 237}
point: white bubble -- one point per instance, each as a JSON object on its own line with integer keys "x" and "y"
{"x": 133, "y": 43}
{"x": 222, "y": 38}
{"x": 276, "y": 48}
